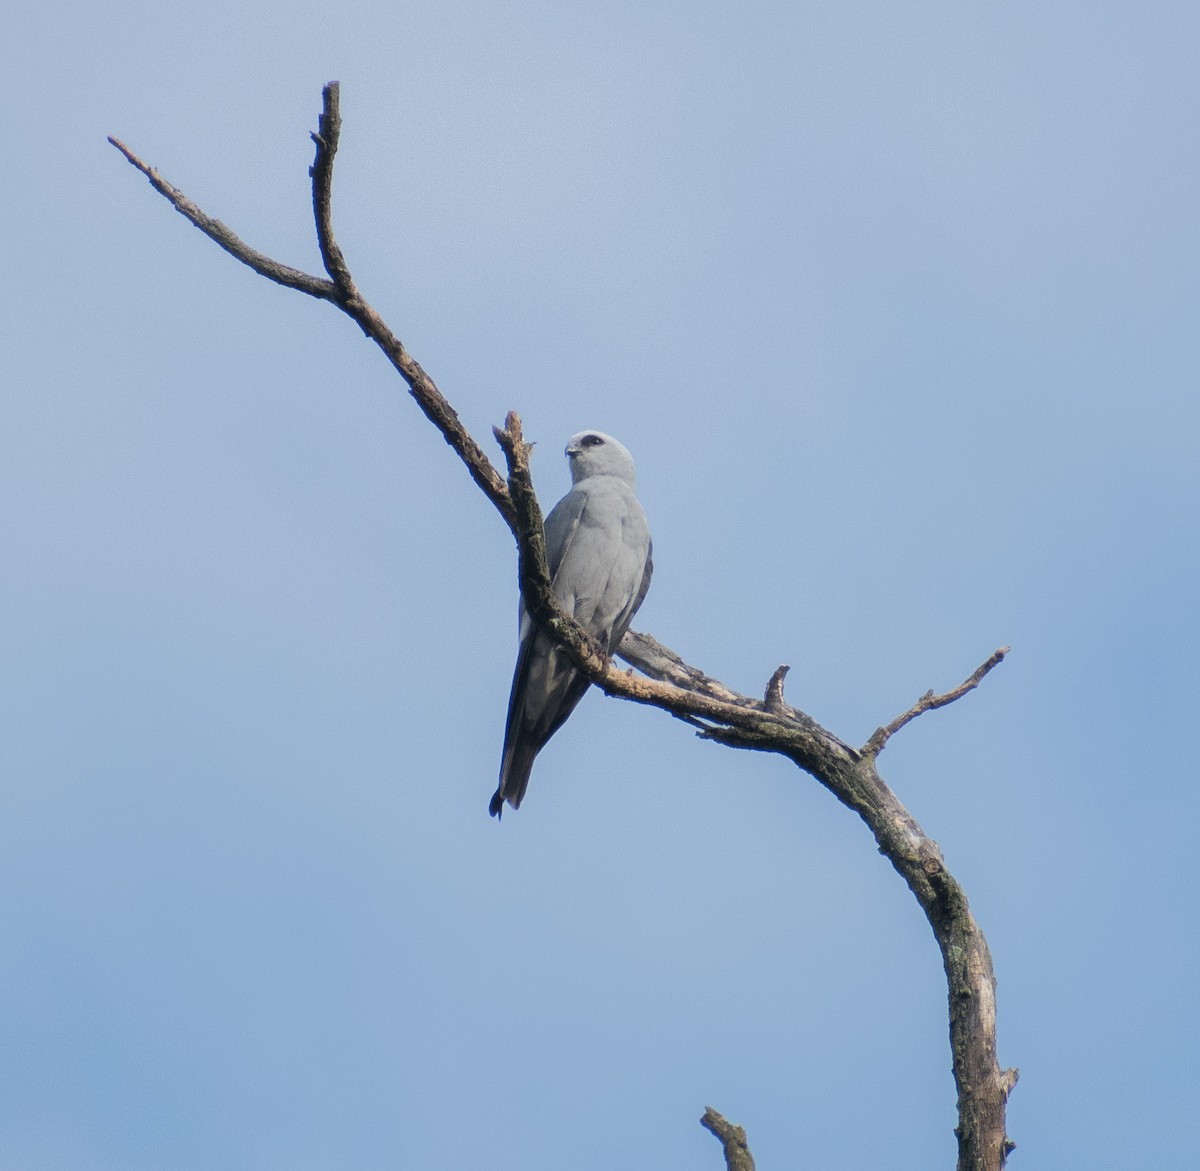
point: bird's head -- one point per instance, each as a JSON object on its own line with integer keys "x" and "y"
{"x": 592, "y": 453}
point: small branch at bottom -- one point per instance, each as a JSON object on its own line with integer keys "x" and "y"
{"x": 733, "y": 1139}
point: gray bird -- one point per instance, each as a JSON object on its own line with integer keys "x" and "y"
{"x": 599, "y": 552}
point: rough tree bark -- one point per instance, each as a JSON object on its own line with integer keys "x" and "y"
{"x": 667, "y": 682}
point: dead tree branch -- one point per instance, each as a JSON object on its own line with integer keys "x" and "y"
{"x": 929, "y": 701}
{"x": 733, "y": 1139}
{"x": 343, "y": 293}
{"x": 667, "y": 682}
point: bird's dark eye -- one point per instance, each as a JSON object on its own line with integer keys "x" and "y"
{"x": 591, "y": 441}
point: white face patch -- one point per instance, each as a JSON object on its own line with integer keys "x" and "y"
{"x": 592, "y": 453}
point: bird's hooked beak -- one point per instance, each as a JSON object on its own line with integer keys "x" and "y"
{"x": 573, "y": 449}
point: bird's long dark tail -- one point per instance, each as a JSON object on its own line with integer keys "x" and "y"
{"x": 514, "y": 775}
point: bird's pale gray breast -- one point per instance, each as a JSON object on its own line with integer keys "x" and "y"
{"x": 600, "y": 541}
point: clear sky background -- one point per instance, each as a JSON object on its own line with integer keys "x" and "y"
{"x": 895, "y": 305}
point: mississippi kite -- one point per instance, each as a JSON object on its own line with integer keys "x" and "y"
{"x": 599, "y": 552}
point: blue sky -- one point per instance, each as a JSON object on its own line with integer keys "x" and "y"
{"x": 894, "y": 305}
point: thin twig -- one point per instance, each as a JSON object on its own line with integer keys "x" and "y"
{"x": 327, "y": 137}
{"x": 650, "y": 657}
{"x": 281, "y": 274}
{"x": 928, "y": 702}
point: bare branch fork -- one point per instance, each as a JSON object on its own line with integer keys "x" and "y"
{"x": 667, "y": 682}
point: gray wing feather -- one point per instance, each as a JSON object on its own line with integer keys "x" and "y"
{"x": 599, "y": 553}
{"x": 561, "y": 525}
